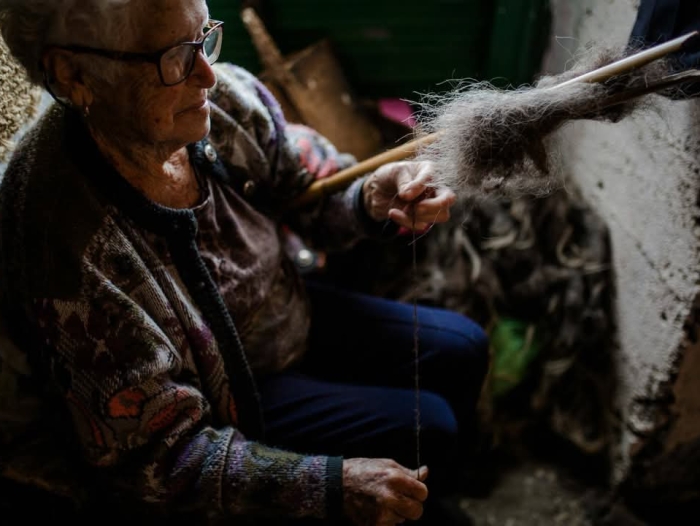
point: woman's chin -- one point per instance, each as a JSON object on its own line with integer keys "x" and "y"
{"x": 195, "y": 125}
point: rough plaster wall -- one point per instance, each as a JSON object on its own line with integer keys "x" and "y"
{"x": 643, "y": 175}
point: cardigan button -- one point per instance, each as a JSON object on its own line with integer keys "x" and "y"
{"x": 210, "y": 153}
{"x": 249, "y": 188}
{"x": 305, "y": 258}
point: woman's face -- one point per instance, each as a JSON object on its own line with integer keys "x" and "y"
{"x": 143, "y": 110}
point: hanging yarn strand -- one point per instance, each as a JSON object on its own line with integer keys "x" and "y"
{"x": 416, "y": 348}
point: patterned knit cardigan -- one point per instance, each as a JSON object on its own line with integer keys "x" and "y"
{"x": 107, "y": 333}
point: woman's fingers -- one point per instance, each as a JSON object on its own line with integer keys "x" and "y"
{"x": 402, "y": 219}
{"x": 439, "y": 198}
{"x": 422, "y": 474}
{"x": 413, "y": 180}
{"x": 408, "y": 508}
{"x": 419, "y": 221}
{"x": 435, "y": 209}
{"x": 381, "y": 492}
{"x": 390, "y": 518}
{"x": 404, "y": 192}
{"x": 432, "y": 199}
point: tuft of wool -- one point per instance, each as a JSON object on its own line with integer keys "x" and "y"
{"x": 502, "y": 142}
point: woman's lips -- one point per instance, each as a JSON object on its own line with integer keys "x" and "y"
{"x": 199, "y": 106}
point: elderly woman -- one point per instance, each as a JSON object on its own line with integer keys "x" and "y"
{"x": 163, "y": 355}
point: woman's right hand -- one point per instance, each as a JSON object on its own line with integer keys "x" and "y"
{"x": 381, "y": 492}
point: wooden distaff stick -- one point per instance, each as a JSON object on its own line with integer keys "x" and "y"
{"x": 343, "y": 178}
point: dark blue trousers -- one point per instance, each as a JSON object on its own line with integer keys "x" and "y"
{"x": 354, "y": 395}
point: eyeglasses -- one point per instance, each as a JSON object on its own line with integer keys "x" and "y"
{"x": 174, "y": 63}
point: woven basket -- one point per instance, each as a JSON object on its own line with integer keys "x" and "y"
{"x": 313, "y": 90}
{"x": 19, "y": 100}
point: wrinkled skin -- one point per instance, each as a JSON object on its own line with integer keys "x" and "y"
{"x": 140, "y": 125}
{"x": 381, "y": 492}
{"x": 402, "y": 191}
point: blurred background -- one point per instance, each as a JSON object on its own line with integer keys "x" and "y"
{"x": 394, "y": 48}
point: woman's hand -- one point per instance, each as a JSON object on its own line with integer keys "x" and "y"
{"x": 381, "y": 492}
{"x": 401, "y": 192}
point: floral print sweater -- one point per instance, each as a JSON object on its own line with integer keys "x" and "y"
{"x": 121, "y": 360}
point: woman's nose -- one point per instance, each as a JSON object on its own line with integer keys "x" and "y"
{"x": 203, "y": 71}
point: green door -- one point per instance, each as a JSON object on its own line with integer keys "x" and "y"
{"x": 391, "y": 48}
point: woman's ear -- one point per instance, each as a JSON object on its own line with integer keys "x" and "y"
{"x": 66, "y": 78}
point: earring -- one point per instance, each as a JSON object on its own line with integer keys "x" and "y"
{"x": 86, "y": 111}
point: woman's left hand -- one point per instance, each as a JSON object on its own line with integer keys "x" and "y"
{"x": 401, "y": 192}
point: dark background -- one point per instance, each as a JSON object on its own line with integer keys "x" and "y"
{"x": 397, "y": 48}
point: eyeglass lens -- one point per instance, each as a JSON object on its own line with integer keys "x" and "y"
{"x": 177, "y": 63}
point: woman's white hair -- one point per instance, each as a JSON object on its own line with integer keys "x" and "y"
{"x": 30, "y": 26}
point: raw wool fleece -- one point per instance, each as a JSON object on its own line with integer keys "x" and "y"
{"x": 501, "y": 142}
{"x": 19, "y": 100}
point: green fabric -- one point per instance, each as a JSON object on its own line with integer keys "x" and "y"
{"x": 515, "y": 346}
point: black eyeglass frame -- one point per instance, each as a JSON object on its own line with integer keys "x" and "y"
{"x": 154, "y": 57}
